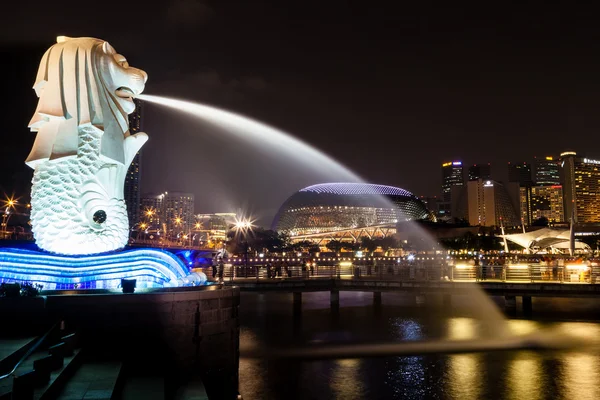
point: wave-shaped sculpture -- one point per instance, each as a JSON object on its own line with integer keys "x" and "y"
{"x": 150, "y": 267}
{"x": 83, "y": 147}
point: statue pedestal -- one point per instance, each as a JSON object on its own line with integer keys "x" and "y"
{"x": 150, "y": 268}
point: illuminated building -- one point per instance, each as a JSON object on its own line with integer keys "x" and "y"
{"x": 547, "y": 171}
{"x": 480, "y": 171}
{"x": 520, "y": 173}
{"x": 452, "y": 176}
{"x": 347, "y": 211}
{"x": 173, "y": 211}
{"x": 151, "y": 205}
{"x": 213, "y": 228}
{"x": 178, "y": 211}
{"x": 541, "y": 201}
{"x": 581, "y": 188}
{"x": 491, "y": 203}
{"x": 131, "y": 192}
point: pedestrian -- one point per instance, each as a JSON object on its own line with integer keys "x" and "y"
{"x": 214, "y": 269}
{"x": 221, "y": 269}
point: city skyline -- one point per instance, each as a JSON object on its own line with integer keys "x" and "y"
{"x": 403, "y": 87}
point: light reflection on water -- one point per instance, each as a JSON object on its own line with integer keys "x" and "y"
{"x": 581, "y": 376}
{"x": 346, "y": 382}
{"x": 466, "y": 375}
{"x": 267, "y": 319}
{"x": 524, "y": 378}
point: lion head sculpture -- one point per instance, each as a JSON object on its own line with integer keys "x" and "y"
{"x": 83, "y": 147}
{"x": 83, "y": 82}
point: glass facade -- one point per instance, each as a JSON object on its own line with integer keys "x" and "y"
{"x": 547, "y": 172}
{"x": 582, "y": 188}
{"x": 332, "y": 207}
{"x": 480, "y": 171}
{"x": 542, "y": 201}
{"x": 131, "y": 191}
{"x": 452, "y": 175}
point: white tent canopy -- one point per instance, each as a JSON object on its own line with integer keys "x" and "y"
{"x": 545, "y": 238}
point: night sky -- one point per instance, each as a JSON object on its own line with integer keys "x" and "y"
{"x": 389, "y": 89}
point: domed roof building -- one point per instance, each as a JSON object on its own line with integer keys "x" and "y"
{"x": 338, "y": 210}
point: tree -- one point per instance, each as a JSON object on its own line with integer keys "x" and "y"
{"x": 334, "y": 245}
{"x": 258, "y": 239}
{"x": 386, "y": 243}
{"x": 368, "y": 244}
{"x": 303, "y": 245}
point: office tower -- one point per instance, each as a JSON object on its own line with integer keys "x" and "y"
{"x": 547, "y": 171}
{"x": 131, "y": 192}
{"x": 581, "y": 189}
{"x": 541, "y": 201}
{"x": 520, "y": 173}
{"x": 178, "y": 211}
{"x": 452, "y": 176}
{"x": 491, "y": 203}
{"x": 151, "y": 209}
{"x": 480, "y": 171}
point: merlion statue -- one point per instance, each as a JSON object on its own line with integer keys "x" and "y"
{"x": 83, "y": 147}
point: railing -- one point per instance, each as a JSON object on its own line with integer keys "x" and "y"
{"x": 520, "y": 272}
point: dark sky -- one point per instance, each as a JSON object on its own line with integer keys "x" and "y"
{"x": 390, "y": 89}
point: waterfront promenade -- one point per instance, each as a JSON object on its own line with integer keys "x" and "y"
{"x": 572, "y": 278}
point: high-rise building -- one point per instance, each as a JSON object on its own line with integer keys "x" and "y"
{"x": 490, "y": 203}
{"x": 541, "y": 201}
{"x": 581, "y": 188}
{"x": 152, "y": 210}
{"x": 480, "y": 171}
{"x": 212, "y": 228}
{"x": 178, "y": 211}
{"x": 131, "y": 192}
{"x": 520, "y": 173}
{"x": 452, "y": 175}
{"x": 547, "y": 171}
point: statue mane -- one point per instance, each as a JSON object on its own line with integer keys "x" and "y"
{"x": 72, "y": 94}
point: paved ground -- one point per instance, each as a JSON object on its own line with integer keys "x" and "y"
{"x": 94, "y": 380}
{"x": 9, "y": 346}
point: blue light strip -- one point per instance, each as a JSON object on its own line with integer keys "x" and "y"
{"x": 151, "y": 267}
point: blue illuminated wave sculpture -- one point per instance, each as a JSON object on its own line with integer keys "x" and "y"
{"x": 150, "y": 267}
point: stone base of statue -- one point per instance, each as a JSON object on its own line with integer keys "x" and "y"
{"x": 150, "y": 268}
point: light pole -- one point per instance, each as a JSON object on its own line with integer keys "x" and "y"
{"x": 178, "y": 224}
{"x": 243, "y": 226}
{"x": 9, "y": 204}
{"x": 141, "y": 227}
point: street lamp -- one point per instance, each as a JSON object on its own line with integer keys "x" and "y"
{"x": 141, "y": 227}
{"x": 243, "y": 226}
{"x": 9, "y": 204}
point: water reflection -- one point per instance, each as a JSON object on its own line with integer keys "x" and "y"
{"x": 585, "y": 331}
{"x": 406, "y": 329}
{"x": 524, "y": 378}
{"x": 581, "y": 376}
{"x": 406, "y": 377}
{"x": 502, "y": 375}
{"x": 346, "y": 380}
{"x": 466, "y": 375}
{"x": 523, "y": 326}
{"x": 462, "y": 328}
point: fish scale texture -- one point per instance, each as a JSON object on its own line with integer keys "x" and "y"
{"x": 62, "y": 206}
